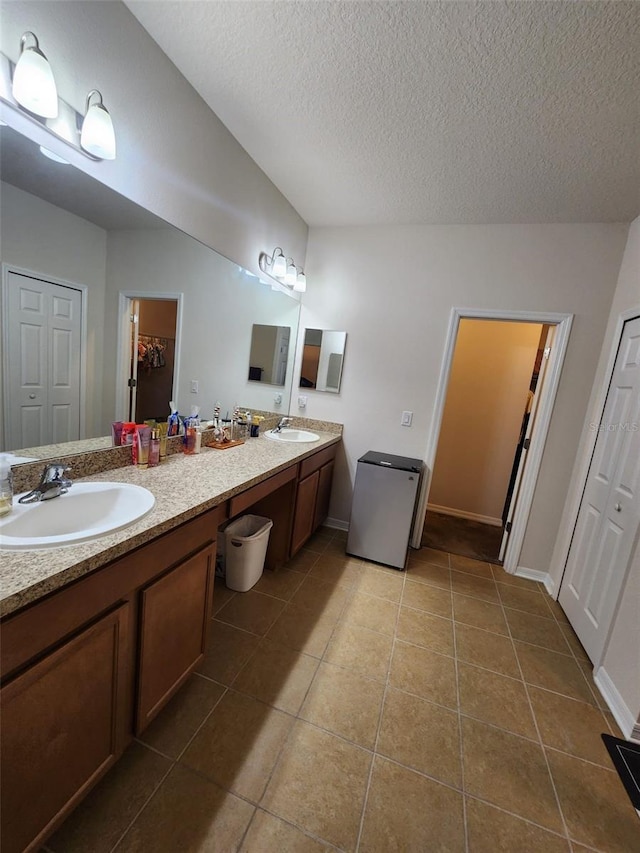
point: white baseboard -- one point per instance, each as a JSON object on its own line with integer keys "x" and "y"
{"x": 618, "y": 707}
{"x": 532, "y": 574}
{"x": 460, "y": 513}
{"x": 336, "y": 523}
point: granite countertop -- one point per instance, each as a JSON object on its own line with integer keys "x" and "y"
{"x": 183, "y": 486}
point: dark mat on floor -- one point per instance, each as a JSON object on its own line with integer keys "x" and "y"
{"x": 460, "y": 536}
{"x": 626, "y": 759}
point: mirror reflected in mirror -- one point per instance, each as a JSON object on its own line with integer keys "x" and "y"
{"x": 269, "y": 354}
{"x": 322, "y": 360}
{"x": 76, "y": 252}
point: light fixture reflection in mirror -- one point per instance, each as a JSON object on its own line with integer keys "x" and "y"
{"x": 269, "y": 354}
{"x": 322, "y": 360}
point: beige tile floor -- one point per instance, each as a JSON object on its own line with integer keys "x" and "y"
{"x": 344, "y": 706}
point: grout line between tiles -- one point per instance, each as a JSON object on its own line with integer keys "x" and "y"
{"x": 379, "y": 724}
{"x": 460, "y": 733}
{"x": 540, "y": 741}
{"x": 143, "y": 807}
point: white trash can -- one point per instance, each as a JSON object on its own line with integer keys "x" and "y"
{"x": 246, "y": 542}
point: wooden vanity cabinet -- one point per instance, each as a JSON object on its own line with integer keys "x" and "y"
{"x": 174, "y": 612}
{"x": 312, "y": 495}
{"x": 63, "y": 726}
{"x": 90, "y": 665}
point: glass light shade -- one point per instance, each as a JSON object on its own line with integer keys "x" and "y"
{"x": 97, "y": 136}
{"x": 33, "y": 85}
{"x": 279, "y": 268}
{"x": 291, "y": 275}
{"x": 301, "y": 282}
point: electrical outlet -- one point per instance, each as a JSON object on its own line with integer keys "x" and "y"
{"x": 277, "y": 399}
{"x": 194, "y": 386}
{"x": 302, "y": 401}
{"x": 406, "y": 419}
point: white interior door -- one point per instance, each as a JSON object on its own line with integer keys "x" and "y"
{"x": 609, "y": 513}
{"x": 42, "y": 370}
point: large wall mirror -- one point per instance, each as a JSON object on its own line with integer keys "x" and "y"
{"x": 322, "y": 359}
{"x": 82, "y": 259}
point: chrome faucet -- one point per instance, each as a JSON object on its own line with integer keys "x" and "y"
{"x": 53, "y": 483}
{"x": 283, "y": 422}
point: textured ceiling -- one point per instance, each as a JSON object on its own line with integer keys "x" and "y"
{"x": 423, "y": 112}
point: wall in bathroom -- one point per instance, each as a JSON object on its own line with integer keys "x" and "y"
{"x": 392, "y": 289}
{"x": 486, "y": 401}
{"x": 175, "y": 157}
{"x": 42, "y": 238}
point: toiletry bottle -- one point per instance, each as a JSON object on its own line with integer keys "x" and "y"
{"x": 162, "y": 429}
{"x": 6, "y": 484}
{"x": 249, "y": 419}
{"x": 154, "y": 448}
{"x": 143, "y": 436}
{"x": 189, "y": 441}
{"x": 198, "y": 440}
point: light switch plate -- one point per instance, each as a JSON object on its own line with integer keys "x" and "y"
{"x": 302, "y": 401}
{"x": 277, "y": 399}
{"x": 407, "y": 418}
{"x": 194, "y": 386}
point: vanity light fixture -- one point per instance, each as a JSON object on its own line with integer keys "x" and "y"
{"x": 33, "y": 85}
{"x": 97, "y": 136}
{"x": 65, "y": 126}
{"x": 282, "y": 269}
{"x": 274, "y": 265}
{"x": 291, "y": 275}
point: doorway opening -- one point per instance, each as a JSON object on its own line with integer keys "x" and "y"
{"x": 149, "y": 330}
{"x": 497, "y": 387}
{"x": 495, "y": 375}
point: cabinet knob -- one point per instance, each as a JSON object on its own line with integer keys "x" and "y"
{"x": 617, "y": 507}
{"x": 32, "y": 396}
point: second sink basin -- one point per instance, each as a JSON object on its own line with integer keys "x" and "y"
{"x": 286, "y": 434}
{"x": 87, "y": 511}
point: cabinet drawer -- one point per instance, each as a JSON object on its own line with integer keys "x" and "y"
{"x": 251, "y": 496}
{"x": 312, "y": 463}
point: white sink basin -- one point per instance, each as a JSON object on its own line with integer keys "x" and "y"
{"x": 87, "y": 511}
{"x": 287, "y": 434}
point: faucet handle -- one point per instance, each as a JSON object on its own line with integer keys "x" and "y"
{"x": 54, "y": 471}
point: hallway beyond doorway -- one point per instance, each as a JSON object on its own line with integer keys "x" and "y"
{"x": 462, "y": 536}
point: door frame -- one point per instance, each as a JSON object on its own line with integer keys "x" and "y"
{"x": 573, "y": 504}
{"x": 562, "y": 322}
{"x": 8, "y": 268}
{"x": 125, "y": 298}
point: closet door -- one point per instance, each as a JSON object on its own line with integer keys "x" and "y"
{"x": 42, "y": 370}
{"x": 609, "y": 514}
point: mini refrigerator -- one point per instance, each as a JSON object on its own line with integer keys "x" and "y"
{"x": 383, "y": 508}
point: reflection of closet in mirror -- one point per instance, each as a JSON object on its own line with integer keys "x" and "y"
{"x": 322, "y": 359}
{"x": 269, "y": 353}
{"x": 153, "y": 343}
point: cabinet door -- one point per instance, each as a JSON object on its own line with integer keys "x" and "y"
{"x": 324, "y": 494}
{"x": 174, "y": 612}
{"x": 63, "y": 726}
{"x": 305, "y": 511}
